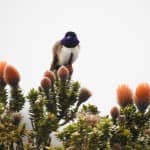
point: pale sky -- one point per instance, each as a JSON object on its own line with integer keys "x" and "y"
{"x": 114, "y": 37}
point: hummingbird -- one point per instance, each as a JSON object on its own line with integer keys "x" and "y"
{"x": 65, "y": 51}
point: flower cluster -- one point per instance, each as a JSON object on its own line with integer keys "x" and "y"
{"x": 57, "y": 96}
{"x": 124, "y": 95}
{"x": 127, "y": 128}
{"x": 9, "y": 74}
{"x": 141, "y": 97}
{"x": 52, "y": 105}
{"x": 56, "y": 102}
{"x": 12, "y": 130}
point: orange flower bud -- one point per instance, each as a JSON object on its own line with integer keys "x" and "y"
{"x": 50, "y": 75}
{"x": 142, "y": 96}
{"x": 63, "y": 73}
{"x": 46, "y": 83}
{"x": 70, "y": 68}
{"x": 11, "y": 75}
{"x": 2, "y": 67}
{"x": 114, "y": 112}
{"x": 84, "y": 95}
{"x": 124, "y": 95}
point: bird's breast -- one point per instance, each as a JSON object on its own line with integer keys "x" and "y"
{"x": 65, "y": 54}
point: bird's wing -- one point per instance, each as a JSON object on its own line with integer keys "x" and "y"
{"x": 56, "y": 50}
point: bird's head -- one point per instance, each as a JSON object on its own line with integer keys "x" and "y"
{"x": 70, "y": 40}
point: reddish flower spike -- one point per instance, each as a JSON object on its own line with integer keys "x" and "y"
{"x": 2, "y": 67}
{"x": 114, "y": 112}
{"x": 46, "y": 83}
{"x": 63, "y": 73}
{"x": 50, "y": 75}
{"x": 142, "y": 96}
{"x": 84, "y": 94}
{"x": 11, "y": 75}
{"x": 124, "y": 95}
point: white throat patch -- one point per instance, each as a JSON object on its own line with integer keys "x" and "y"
{"x": 65, "y": 54}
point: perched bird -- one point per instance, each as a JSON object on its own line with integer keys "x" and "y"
{"x": 65, "y": 51}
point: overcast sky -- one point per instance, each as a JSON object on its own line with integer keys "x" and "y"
{"x": 114, "y": 37}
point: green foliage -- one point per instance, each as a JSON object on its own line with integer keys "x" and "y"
{"x": 36, "y": 107}
{"x": 89, "y": 132}
{"x": 43, "y": 122}
{"x": 51, "y": 108}
{"x": 62, "y": 99}
{"x": 56, "y": 102}
{"x": 131, "y": 130}
{"x": 3, "y": 95}
{"x": 54, "y": 148}
{"x": 90, "y": 109}
{"x": 17, "y": 99}
{"x": 1, "y": 108}
{"x": 12, "y": 130}
{"x": 52, "y": 105}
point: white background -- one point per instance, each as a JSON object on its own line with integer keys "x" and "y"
{"x": 114, "y": 36}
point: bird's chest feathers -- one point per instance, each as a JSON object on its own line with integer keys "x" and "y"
{"x": 68, "y": 54}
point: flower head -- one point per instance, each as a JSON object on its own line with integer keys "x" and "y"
{"x": 114, "y": 112}
{"x": 50, "y": 75}
{"x": 63, "y": 73}
{"x": 2, "y": 67}
{"x": 142, "y": 96}
{"x": 70, "y": 68}
{"x": 84, "y": 95}
{"x": 46, "y": 83}
{"x": 124, "y": 95}
{"x": 11, "y": 75}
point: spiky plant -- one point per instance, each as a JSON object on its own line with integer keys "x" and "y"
{"x": 128, "y": 128}
{"x": 12, "y": 130}
{"x": 54, "y": 104}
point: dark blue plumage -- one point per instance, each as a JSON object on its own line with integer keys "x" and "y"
{"x": 70, "y": 40}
